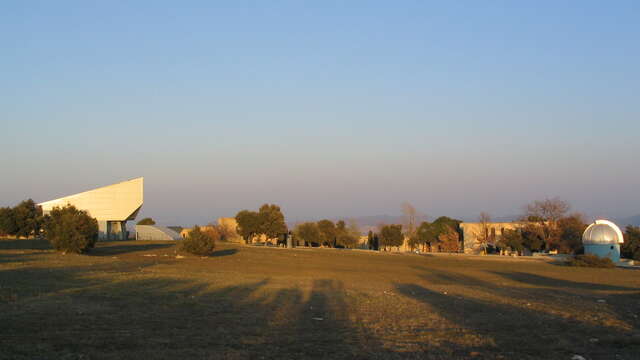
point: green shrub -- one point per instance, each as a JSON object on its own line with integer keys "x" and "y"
{"x": 71, "y": 230}
{"x": 198, "y": 242}
{"x": 591, "y": 261}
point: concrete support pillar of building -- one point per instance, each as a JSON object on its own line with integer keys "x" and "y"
{"x": 112, "y": 230}
{"x": 103, "y": 230}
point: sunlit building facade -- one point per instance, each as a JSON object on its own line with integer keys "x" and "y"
{"x": 111, "y": 205}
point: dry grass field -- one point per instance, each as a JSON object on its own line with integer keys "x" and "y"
{"x": 138, "y": 300}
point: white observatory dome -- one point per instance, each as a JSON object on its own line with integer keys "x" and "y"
{"x": 602, "y": 232}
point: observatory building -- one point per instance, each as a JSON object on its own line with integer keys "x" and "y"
{"x": 603, "y": 238}
{"x": 111, "y": 205}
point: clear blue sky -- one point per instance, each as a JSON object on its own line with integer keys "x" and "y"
{"x": 327, "y": 108}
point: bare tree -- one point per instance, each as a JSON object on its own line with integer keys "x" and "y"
{"x": 410, "y": 219}
{"x": 547, "y": 210}
{"x": 483, "y": 234}
{"x": 543, "y": 217}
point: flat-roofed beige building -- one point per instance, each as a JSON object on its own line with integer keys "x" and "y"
{"x": 472, "y": 231}
{"x": 111, "y": 205}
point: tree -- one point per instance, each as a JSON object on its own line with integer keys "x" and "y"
{"x": 426, "y": 236}
{"x": 271, "y": 221}
{"x": 347, "y": 235}
{"x": 213, "y": 231}
{"x": 7, "y": 222}
{"x": 198, "y": 242}
{"x": 410, "y": 218}
{"x": 532, "y": 237}
{"x": 443, "y": 225}
{"x": 268, "y": 221}
{"x": 571, "y": 229}
{"x": 376, "y": 242}
{"x": 546, "y": 214}
{"x": 391, "y": 235}
{"x": 483, "y": 234}
{"x": 449, "y": 240}
{"x": 248, "y": 224}
{"x": 71, "y": 230}
{"x": 328, "y": 232}
{"x": 373, "y": 241}
{"x": 28, "y": 218}
{"x": 631, "y": 246}
{"x": 309, "y": 233}
{"x": 147, "y": 221}
{"x": 511, "y": 239}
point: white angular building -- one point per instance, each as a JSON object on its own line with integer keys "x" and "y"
{"x": 111, "y": 205}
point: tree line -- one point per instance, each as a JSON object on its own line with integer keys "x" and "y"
{"x": 22, "y": 220}
{"x": 327, "y": 233}
{"x": 631, "y": 247}
{"x": 441, "y": 235}
{"x": 548, "y": 225}
{"x": 66, "y": 228}
{"x": 267, "y": 222}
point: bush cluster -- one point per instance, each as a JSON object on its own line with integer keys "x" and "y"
{"x": 589, "y": 260}
{"x": 71, "y": 230}
{"x": 198, "y": 242}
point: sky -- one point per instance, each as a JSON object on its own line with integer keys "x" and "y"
{"x": 327, "y": 108}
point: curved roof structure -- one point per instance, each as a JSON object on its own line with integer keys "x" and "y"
{"x": 154, "y": 232}
{"x": 117, "y": 202}
{"x": 602, "y": 232}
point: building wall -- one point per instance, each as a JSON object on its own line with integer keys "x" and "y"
{"x": 117, "y": 202}
{"x": 111, "y": 205}
{"x": 611, "y": 251}
{"x": 230, "y": 226}
{"x": 185, "y": 232}
{"x": 472, "y": 231}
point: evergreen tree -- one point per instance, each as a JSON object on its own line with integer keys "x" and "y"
{"x": 28, "y": 218}
{"x": 7, "y": 222}
{"x": 198, "y": 242}
{"x": 391, "y": 235}
{"x": 328, "y": 232}
{"x": 631, "y": 246}
{"x": 272, "y": 223}
{"x": 71, "y": 230}
{"x": 248, "y": 224}
{"x": 309, "y": 233}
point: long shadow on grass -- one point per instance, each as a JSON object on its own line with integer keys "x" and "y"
{"x": 538, "y": 280}
{"x": 24, "y": 244}
{"x": 513, "y": 329}
{"x": 108, "y": 249}
{"x": 16, "y": 258}
{"x": 69, "y": 312}
{"x": 225, "y": 252}
{"x": 625, "y": 304}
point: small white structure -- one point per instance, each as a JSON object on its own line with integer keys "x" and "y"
{"x": 154, "y": 232}
{"x": 111, "y": 205}
{"x": 603, "y": 238}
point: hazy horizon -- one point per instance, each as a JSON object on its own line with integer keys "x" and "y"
{"x": 327, "y": 109}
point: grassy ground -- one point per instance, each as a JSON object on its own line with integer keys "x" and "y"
{"x": 137, "y": 300}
